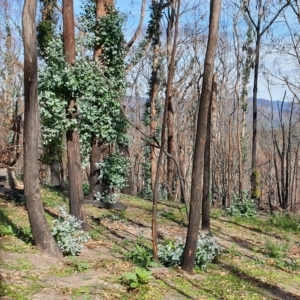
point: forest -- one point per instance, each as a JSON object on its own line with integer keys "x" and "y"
{"x": 171, "y": 122}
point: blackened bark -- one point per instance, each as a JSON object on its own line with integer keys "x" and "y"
{"x": 207, "y": 160}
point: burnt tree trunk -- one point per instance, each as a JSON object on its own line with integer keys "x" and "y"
{"x": 198, "y": 162}
{"x": 76, "y": 198}
{"x": 207, "y": 159}
{"x": 38, "y": 223}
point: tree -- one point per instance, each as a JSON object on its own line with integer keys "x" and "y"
{"x": 263, "y": 11}
{"x": 39, "y": 226}
{"x": 76, "y": 198}
{"x": 207, "y": 157}
{"x": 11, "y": 87}
{"x": 201, "y": 134}
{"x": 52, "y": 153}
{"x": 173, "y": 16}
{"x": 99, "y": 148}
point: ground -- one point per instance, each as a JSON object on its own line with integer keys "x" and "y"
{"x": 260, "y": 260}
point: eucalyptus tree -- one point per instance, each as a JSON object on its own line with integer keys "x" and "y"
{"x": 173, "y": 12}
{"x": 96, "y": 84}
{"x": 201, "y": 135}
{"x": 267, "y": 12}
{"x": 102, "y": 119}
{"x": 52, "y": 150}
{"x": 99, "y": 149}
{"x": 39, "y": 226}
{"x": 76, "y": 198}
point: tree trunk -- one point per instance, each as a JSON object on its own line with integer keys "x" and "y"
{"x": 171, "y": 50}
{"x": 153, "y": 112}
{"x": 98, "y": 153}
{"x": 38, "y": 223}
{"x": 262, "y": 13}
{"x": 255, "y": 177}
{"x": 207, "y": 158}
{"x": 99, "y": 149}
{"x": 54, "y": 168}
{"x": 76, "y": 198}
{"x": 130, "y": 189}
{"x": 198, "y": 163}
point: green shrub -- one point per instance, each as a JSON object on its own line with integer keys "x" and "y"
{"x": 6, "y": 230}
{"x": 137, "y": 278}
{"x": 68, "y": 234}
{"x": 86, "y": 188}
{"x": 242, "y": 206}
{"x": 114, "y": 169}
{"x": 112, "y": 198}
{"x": 206, "y": 252}
{"x": 141, "y": 255}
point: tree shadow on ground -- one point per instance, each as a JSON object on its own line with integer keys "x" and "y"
{"x": 175, "y": 288}
{"x": 22, "y": 233}
{"x": 253, "y": 229}
{"x": 236, "y": 240}
{"x": 51, "y": 213}
{"x": 266, "y": 289}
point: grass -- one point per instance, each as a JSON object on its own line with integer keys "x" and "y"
{"x": 275, "y": 249}
{"x": 260, "y": 260}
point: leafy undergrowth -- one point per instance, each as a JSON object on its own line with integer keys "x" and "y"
{"x": 260, "y": 258}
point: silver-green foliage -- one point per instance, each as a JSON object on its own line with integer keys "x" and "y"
{"x": 112, "y": 198}
{"x": 97, "y": 87}
{"x": 206, "y": 252}
{"x": 114, "y": 169}
{"x": 242, "y": 206}
{"x": 68, "y": 234}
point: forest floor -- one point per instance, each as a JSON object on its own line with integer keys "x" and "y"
{"x": 260, "y": 260}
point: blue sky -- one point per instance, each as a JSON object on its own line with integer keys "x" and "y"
{"x": 132, "y": 10}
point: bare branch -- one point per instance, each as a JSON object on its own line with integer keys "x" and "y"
{"x": 139, "y": 28}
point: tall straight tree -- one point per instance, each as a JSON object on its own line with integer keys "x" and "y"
{"x": 99, "y": 149}
{"x": 76, "y": 198}
{"x": 39, "y": 226}
{"x": 201, "y": 134}
{"x": 207, "y": 157}
{"x": 263, "y": 9}
{"x": 154, "y": 83}
{"x": 171, "y": 51}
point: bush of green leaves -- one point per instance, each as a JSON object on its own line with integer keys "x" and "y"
{"x": 242, "y": 206}
{"x": 67, "y": 232}
{"x": 142, "y": 256}
{"x": 114, "y": 169}
{"x": 206, "y": 252}
{"x": 136, "y": 279}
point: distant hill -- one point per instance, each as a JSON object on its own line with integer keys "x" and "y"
{"x": 267, "y": 107}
